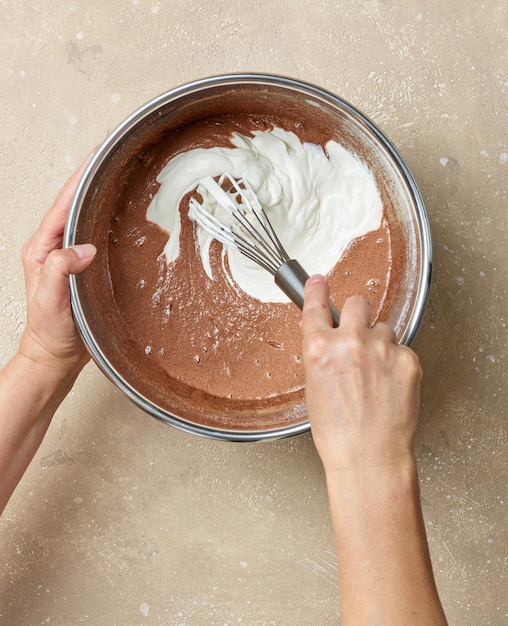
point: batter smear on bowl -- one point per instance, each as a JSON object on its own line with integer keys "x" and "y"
{"x": 211, "y": 319}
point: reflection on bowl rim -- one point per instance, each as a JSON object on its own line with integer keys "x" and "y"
{"x": 151, "y": 107}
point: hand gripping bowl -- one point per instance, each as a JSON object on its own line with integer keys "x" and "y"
{"x": 127, "y": 155}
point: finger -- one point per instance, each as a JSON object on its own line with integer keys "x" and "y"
{"x": 385, "y": 331}
{"x": 53, "y": 290}
{"x": 356, "y": 313}
{"x": 49, "y": 235}
{"x": 316, "y": 305}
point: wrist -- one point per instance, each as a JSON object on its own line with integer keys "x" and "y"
{"x": 43, "y": 384}
{"x": 52, "y": 374}
{"x": 365, "y": 452}
{"x": 373, "y": 500}
{"x": 52, "y": 365}
{"x": 379, "y": 480}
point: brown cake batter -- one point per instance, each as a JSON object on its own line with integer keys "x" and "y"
{"x": 207, "y": 334}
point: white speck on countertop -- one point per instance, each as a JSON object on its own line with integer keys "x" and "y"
{"x": 70, "y": 117}
{"x": 144, "y": 609}
{"x": 503, "y": 158}
{"x": 444, "y": 161}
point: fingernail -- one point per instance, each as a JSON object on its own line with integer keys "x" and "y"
{"x": 85, "y": 250}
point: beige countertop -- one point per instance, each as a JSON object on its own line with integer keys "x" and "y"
{"x": 123, "y": 520}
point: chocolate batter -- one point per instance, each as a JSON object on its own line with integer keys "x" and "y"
{"x": 208, "y": 334}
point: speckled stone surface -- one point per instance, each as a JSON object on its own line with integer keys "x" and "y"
{"x": 123, "y": 520}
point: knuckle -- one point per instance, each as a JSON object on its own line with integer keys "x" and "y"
{"x": 311, "y": 306}
{"x": 56, "y": 262}
{"x": 316, "y": 347}
{"x": 27, "y": 252}
{"x": 353, "y": 343}
{"x": 324, "y": 350}
{"x": 410, "y": 362}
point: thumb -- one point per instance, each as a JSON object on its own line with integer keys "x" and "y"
{"x": 54, "y": 284}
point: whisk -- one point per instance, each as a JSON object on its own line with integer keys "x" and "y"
{"x": 251, "y": 234}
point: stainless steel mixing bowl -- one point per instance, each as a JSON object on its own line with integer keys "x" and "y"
{"x": 109, "y": 170}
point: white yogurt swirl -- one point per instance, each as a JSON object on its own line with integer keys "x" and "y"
{"x": 317, "y": 201}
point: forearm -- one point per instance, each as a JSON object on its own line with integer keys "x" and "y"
{"x": 29, "y": 396}
{"x": 384, "y": 565}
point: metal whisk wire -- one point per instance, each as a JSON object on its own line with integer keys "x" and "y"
{"x": 251, "y": 234}
{"x": 257, "y": 241}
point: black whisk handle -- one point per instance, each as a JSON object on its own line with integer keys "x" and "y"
{"x": 291, "y": 278}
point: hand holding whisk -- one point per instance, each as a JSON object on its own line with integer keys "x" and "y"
{"x": 251, "y": 234}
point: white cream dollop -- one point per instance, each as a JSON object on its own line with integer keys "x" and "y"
{"x": 316, "y": 201}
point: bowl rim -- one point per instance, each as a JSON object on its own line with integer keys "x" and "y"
{"x": 113, "y": 138}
